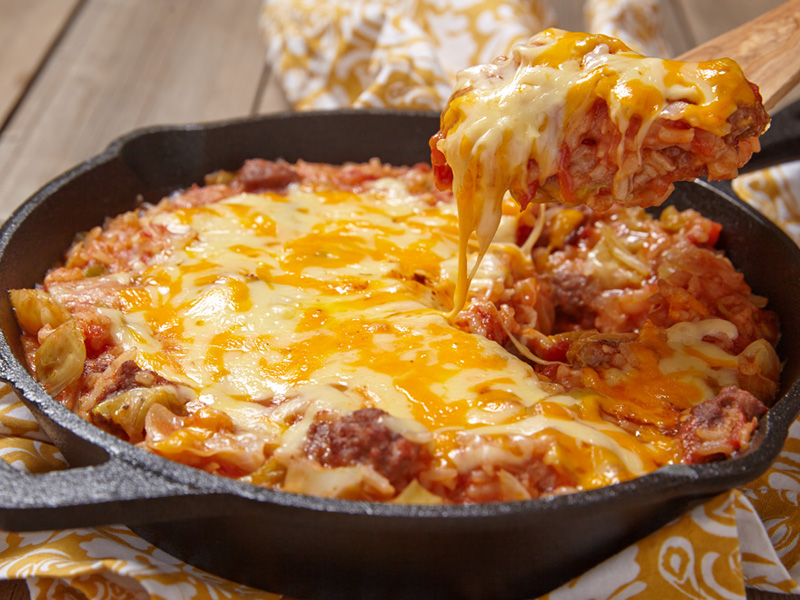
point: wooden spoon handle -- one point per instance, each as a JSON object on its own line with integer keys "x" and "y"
{"x": 767, "y": 48}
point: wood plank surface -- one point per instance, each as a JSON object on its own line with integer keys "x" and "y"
{"x": 15, "y": 589}
{"x": 271, "y": 98}
{"x": 124, "y": 64}
{"x": 28, "y": 30}
{"x": 766, "y": 48}
{"x": 706, "y": 19}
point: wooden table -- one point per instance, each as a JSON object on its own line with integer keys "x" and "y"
{"x": 76, "y": 74}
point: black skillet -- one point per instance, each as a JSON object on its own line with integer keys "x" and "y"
{"x": 311, "y": 547}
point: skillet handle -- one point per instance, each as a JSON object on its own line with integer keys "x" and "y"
{"x": 109, "y": 493}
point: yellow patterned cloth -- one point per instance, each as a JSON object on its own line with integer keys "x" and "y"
{"x": 776, "y": 193}
{"x": 404, "y": 54}
{"x": 389, "y": 54}
{"x": 745, "y": 537}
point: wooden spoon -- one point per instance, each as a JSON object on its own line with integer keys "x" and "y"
{"x": 767, "y": 48}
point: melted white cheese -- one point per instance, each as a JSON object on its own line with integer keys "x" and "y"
{"x": 314, "y": 295}
{"x": 279, "y": 307}
{"x": 519, "y": 113}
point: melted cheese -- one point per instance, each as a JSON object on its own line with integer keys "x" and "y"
{"x": 279, "y": 306}
{"x": 318, "y": 296}
{"x": 524, "y": 108}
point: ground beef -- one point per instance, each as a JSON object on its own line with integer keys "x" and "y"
{"x": 259, "y": 175}
{"x": 720, "y": 426}
{"x": 487, "y": 485}
{"x": 680, "y": 277}
{"x": 601, "y": 350}
{"x": 129, "y": 376}
{"x": 572, "y": 293}
{"x": 485, "y": 318}
{"x": 361, "y": 437}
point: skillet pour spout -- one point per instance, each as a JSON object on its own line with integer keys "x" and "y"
{"x": 311, "y": 547}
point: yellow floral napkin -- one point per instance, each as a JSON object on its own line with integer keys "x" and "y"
{"x": 388, "y": 53}
{"x": 776, "y": 193}
{"x": 748, "y": 537}
{"x": 404, "y": 54}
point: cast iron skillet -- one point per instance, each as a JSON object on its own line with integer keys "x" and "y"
{"x": 321, "y": 548}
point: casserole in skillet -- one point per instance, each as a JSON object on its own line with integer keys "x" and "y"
{"x": 285, "y": 325}
{"x": 338, "y": 524}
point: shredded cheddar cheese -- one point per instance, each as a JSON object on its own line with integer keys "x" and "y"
{"x": 269, "y": 323}
{"x": 522, "y": 124}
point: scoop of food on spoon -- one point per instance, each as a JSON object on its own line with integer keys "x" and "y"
{"x": 582, "y": 119}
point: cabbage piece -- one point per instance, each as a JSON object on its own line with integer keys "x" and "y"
{"x": 127, "y": 410}
{"x": 59, "y": 360}
{"x": 415, "y": 493}
{"x": 759, "y": 370}
{"x": 34, "y": 309}
{"x": 349, "y": 483}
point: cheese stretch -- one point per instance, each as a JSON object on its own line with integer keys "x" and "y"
{"x": 269, "y": 306}
{"x": 512, "y": 124}
{"x": 318, "y": 295}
